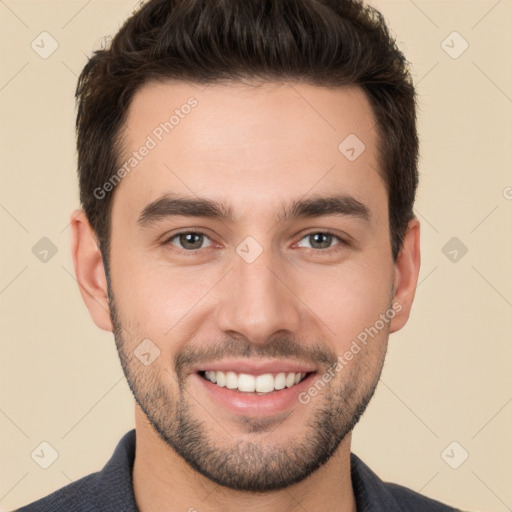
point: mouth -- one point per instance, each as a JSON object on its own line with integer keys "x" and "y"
{"x": 255, "y": 384}
{"x": 254, "y": 389}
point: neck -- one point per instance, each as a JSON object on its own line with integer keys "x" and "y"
{"x": 163, "y": 481}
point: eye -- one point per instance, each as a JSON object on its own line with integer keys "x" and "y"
{"x": 190, "y": 240}
{"x": 319, "y": 240}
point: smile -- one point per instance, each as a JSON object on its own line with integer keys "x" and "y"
{"x": 259, "y": 384}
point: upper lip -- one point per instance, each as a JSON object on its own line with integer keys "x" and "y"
{"x": 253, "y": 367}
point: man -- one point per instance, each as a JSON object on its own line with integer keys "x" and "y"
{"x": 247, "y": 175}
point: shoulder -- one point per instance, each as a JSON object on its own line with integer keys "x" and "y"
{"x": 411, "y": 501}
{"x": 109, "y": 490}
{"x": 76, "y": 496}
{"x": 374, "y": 495}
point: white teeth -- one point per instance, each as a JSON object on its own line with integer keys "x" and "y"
{"x": 246, "y": 383}
{"x": 211, "y": 376}
{"x": 265, "y": 383}
{"x": 220, "y": 377}
{"x": 280, "y": 381}
{"x": 231, "y": 380}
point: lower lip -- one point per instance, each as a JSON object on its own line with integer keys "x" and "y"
{"x": 252, "y": 404}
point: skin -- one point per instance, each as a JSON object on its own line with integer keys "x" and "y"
{"x": 254, "y": 149}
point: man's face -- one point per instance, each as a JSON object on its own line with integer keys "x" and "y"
{"x": 256, "y": 291}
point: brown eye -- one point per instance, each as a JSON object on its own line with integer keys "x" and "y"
{"x": 190, "y": 240}
{"x": 319, "y": 240}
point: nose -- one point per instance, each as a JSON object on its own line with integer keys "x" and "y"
{"x": 257, "y": 301}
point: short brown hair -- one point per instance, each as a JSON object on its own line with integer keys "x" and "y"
{"x": 330, "y": 43}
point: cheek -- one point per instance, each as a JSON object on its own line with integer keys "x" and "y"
{"x": 348, "y": 299}
{"x": 155, "y": 300}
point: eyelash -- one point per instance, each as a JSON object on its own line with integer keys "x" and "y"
{"x": 328, "y": 250}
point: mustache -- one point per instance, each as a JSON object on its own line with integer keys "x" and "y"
{"x": 280, "y": 347}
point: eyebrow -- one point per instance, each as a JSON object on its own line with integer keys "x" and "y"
{"x": 172, "y": 205}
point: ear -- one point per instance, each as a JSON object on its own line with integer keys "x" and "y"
{"x": 89, "y": 270}
{"x": 407, "y": 268}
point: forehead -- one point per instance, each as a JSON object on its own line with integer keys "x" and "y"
{"x": 249, "y": 145}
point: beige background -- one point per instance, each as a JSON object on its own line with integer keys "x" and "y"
{"x": 448, "y": 373}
